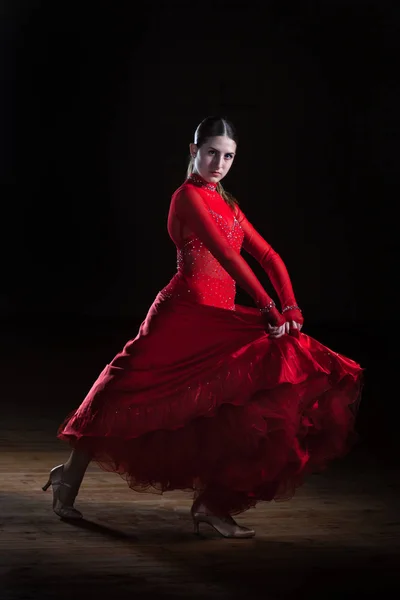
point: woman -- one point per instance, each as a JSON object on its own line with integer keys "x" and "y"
{"x": 232, "y": 402}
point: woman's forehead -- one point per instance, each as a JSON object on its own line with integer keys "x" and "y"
{"x": 222, "y": 143}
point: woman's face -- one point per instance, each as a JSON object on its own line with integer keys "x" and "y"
{"x": 214, "y": 158}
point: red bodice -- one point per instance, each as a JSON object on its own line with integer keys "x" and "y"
{"x": 209, "y": 235}
{"x": 200, "y": 276}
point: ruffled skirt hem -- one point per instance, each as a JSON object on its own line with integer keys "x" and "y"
{"x": 248, "y": 428}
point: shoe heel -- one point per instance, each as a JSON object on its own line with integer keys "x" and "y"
{"x": 46, "y": 485}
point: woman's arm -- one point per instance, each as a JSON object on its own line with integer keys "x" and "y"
{"x": 273, "y": 265}
{"x": 190, "y": 208}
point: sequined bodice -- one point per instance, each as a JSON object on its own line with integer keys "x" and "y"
{"x": 206, "y": 278}
{"x": 200, "y": 277}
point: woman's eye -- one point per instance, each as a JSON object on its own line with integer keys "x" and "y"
{"x": 228, "y": 155}
{"x": 211, "y": 152}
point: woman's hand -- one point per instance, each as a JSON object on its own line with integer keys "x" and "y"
{"x": 294, "y": 315}
{"x": 277, "y": 332}
{"x": 294, "y": 325}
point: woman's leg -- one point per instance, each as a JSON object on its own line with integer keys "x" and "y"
{"x": 74, "y": 471}
{"x": 222, "y": 502}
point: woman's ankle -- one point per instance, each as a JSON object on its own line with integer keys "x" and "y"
{"x": 205, "y": 506}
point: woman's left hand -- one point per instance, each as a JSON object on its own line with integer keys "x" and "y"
{"x": 294, "y": 325}
{"x": 294, "y": 318}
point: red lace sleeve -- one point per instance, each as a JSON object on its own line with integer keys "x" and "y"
{"x": 272, "y": 264}
{"x": 190, "y": 208}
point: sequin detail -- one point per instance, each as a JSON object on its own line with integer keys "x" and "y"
{"x": 200, "y": 277}
{"x": 200, "y": 182}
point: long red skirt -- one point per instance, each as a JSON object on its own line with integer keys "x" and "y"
{"x": 203, "y": 399}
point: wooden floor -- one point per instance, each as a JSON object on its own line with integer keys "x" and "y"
{"x": 338, "y": 538}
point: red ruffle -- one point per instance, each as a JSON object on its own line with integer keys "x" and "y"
{"x": 250, "y": 428}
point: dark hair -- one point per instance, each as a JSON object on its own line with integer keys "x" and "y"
{"x": 210, "y": 127}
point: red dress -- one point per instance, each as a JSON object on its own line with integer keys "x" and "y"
{"x": 203, "y": 398}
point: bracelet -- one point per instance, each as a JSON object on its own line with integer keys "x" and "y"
{"x": 294, "y": 307}
{"x": 266, "y": 309}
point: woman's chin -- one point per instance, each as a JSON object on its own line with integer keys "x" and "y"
{"x": 214, "y": 178}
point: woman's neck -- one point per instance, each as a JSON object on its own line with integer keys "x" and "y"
{"x": 198, "y": 180}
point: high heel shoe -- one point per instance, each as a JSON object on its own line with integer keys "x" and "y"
{"x": 65, "y": 511}
{"x": 226, "y": 526}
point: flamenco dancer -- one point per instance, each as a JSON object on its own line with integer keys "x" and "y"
{"x": 234, "y": 403}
